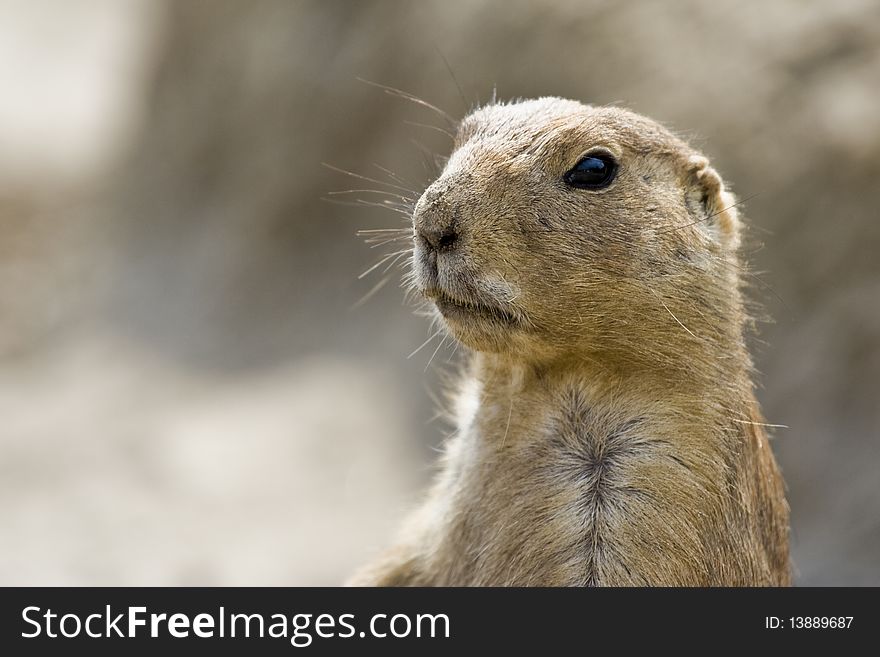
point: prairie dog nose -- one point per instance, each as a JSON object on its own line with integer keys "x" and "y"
{"x": 435, "y": 223}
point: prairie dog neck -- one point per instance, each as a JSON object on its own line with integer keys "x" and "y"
{"x": 498, "y": 388}
{"x": 509, "y": 411}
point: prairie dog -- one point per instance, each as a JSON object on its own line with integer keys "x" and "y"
{"x": 607, "y": 429}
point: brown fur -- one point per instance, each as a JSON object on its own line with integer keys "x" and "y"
{"x": 608, "y": 433}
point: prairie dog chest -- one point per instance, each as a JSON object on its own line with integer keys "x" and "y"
{"x": 540, "y": 487}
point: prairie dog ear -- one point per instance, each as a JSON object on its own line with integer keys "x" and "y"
{"x": 713, "y": 206}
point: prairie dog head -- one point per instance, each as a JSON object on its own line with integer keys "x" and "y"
{"x": 557, "y": 228}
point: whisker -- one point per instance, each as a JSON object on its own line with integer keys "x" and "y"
{"x": 360, "y": 202}
{"x": 507, "y": 428}
{"x": 364, "y": 203}
{"x": 422, "y": 346}
{"x": 395, "y": 177}
{"x": 671, "y": 314}
{"x": 367, "y": 178}
{"x": 369, "y": 295}
{"x": 764, "y": 284}
{"x": 396, "y": 260}
{"x": 493, "y": 100}
{"x": 432, "y": 127}
{"x": 454, "y": 79}
{"x": 408, "y": 199}
{"x": 376, "y": 241}
{"x": 442, "y": 342}
{"x": 429, "y": 158}
{"x": 336, "y": 201}
{"x": 383, "y": 242}
{"x": 385, "y": 236}
{"x": 381, "y": 262}
{"x": 761, "y": 424}
{"x": 714, "y": 214}
{"x": 392, "y": 91}
{"x": 454, "y": 349}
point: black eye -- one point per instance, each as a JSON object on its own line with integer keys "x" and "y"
{"x": 592, "y": 172}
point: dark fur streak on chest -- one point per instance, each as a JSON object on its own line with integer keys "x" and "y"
{"x": 589, "y": 452}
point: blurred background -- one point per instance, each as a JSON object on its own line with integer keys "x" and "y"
{"x": 189, "y": 390}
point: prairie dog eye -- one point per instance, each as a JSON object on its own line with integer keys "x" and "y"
{"x": 594, "y": 171}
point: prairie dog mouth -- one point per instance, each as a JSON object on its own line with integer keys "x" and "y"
{"x": 462, "y": 311}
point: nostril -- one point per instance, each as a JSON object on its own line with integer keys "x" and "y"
{"x": 447, "y": 240}
{"x": 442, "y": 239}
